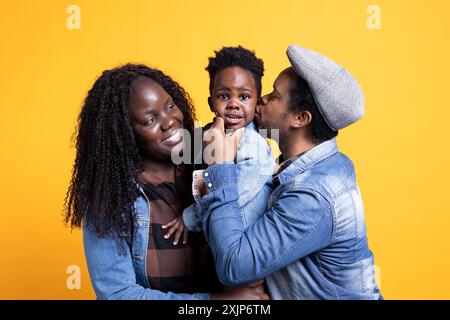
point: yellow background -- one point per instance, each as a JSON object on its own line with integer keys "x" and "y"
{"x": 400, "y": 148}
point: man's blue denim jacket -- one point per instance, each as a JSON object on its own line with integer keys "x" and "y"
{"x": 311, "y": 242}
{"x": 255, "y": 166}
{"x": 118, "y": 276}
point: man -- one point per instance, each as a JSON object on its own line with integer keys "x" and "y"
{"x": 311, "y": 243}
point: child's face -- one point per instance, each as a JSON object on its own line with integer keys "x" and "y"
{"x": 234, "y": 97}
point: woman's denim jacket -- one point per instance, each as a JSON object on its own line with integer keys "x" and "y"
{"x": 122, "y": 276}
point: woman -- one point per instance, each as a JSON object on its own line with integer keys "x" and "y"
{"x": 125, "y": 187}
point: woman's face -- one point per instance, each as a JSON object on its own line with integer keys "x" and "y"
{"x": 155, "y": 119}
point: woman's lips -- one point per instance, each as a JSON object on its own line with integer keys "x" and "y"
{"x": 175, "y": 138}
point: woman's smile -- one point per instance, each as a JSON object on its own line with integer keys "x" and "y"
{"x": 175, "y": 137}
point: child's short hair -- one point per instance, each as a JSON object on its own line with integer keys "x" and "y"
{"x": 236, "y": 57}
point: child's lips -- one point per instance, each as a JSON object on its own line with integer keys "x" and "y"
{"x": 233, "y": 119}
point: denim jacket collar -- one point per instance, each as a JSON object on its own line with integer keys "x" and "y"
{"x": 251, "y": 125}
{"x": 307, "y": 160}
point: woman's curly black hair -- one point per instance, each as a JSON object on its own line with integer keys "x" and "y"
{"x": 107, "y": 163}
{"x": 236, "y": 57}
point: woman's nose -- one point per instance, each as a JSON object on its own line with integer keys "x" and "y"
{"x": 167, "y": 122}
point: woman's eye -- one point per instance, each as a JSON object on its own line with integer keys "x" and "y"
{"x": 170, "y": 107}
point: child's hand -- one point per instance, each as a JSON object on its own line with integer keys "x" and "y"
{"x": 180, "y": 228}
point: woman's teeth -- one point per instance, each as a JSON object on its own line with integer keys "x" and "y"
{"x": 176, "y": 137}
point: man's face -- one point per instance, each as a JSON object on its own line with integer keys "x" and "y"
{"x": 273, "y": 109}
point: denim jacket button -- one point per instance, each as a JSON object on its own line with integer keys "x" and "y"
{"x": 210, "y": 185}
{"x": 206, "y": 174}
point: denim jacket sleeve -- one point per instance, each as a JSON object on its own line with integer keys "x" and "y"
{"x": 193, "y": 217}
{"x": 299, "y": 223}
{"x": 255, "y": 165}
{"x": 112, "y": 273}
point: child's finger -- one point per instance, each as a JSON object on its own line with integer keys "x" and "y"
{"x": 170, "y": 223}
{"x": 171, "y": 231}
{"x": 185, "y": 235}
{"x": 178, "y": 235}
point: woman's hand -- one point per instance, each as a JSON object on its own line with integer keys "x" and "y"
{"x": 224, "y": 146}
{"x": 180, "y": 228}
{"x": 254, "y": 291}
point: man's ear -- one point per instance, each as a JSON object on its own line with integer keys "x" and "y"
{"x": 210, "y": 104}
{"x": 300, "y": 119}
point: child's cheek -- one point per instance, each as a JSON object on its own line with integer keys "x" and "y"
{"x": 219, "y": 107}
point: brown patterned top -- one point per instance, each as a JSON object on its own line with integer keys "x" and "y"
{"x": 183, "y": 268}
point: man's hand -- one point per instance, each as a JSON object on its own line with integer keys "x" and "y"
{"x": 180, "y": 228}
{"x": 224, "y": 146}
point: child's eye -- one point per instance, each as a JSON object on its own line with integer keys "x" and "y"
{"x": 222, "y": 96}
{"x": 245, "y": 97}
{"x": 150, "y": 121}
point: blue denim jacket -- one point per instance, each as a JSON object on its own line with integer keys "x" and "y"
{"x": 255, "y": 166}
{"x": 119, "y": 276}
{"x": 311, "y": 242}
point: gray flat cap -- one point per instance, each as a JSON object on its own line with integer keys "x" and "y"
{"x": 337, "y": 93}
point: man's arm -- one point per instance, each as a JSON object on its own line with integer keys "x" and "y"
{"x": 192, "y": 218}
{"x": 299, "y": 223}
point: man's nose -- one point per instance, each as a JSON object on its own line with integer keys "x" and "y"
{"x": 261, "y": 103}
{"x": 263, "y": 100}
